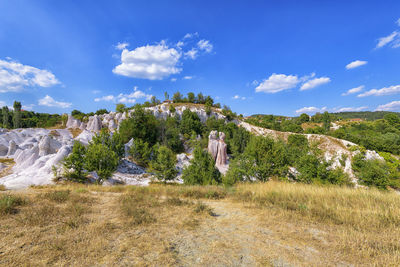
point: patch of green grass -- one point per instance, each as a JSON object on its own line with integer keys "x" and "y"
{"x": 8, "y": 204}
{"x": 59, "y": 196}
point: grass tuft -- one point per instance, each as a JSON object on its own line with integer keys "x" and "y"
{"x": 9, "y": 204}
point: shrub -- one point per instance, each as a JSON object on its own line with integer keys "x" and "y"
{"x": 58, "y": 196}
{"x": 190, "y": 123}
{"x": 202, "y": 169}
{"x": 101, "y": 159}
{"x": 163, "y": 164}
{"x": 75, "y": 161}
{"x": 141, "y": 152}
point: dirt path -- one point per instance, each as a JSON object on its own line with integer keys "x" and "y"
{"x": 236, "y": 236}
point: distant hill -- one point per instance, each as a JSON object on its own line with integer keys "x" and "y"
{"x": 366, "y": 115}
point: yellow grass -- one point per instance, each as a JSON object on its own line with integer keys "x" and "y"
{"x": 274, "y": 223}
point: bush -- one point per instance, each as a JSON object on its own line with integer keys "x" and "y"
{"x": 202, "y": 169}
{"x": 75, "y": 161}
{"x": 141, "y": 152}
{"x": 163, "y": 164}
{"x": 190, "y": 123}
{"x": 101, "y": 159}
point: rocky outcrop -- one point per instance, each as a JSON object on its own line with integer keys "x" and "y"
{"x": 218, "y": 150}
{"x": 94, "y": 124}
{"x": 12, "y": 147}
{"x": 72, "y": 122}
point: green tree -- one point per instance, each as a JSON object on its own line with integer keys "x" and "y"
{"x": 141, "y": 152}
{"x": 209, "y": 101}
{"x": 120, "y": 108}
{"x": 75, "y": 161}
{"x": 326, "y": 120}
{"x": 6, "y": 117}
{"x": 202, "y": 169}
{"x": 114, "y": 141}
{"x": 200, "y": 98}
{"x": 163, "y": 164}
{"x": 190, "y": 123}
{"x": 101, "y": 159}
{"x": 304, "y": 118}
{"x": 166, "y": 95}
{"x": 177, "y": 97}
{"x": 141, "y": 125}
{"x": 101, "y": 111}
{"x": 17, "y": 114}
{"x": 191, "y": 97}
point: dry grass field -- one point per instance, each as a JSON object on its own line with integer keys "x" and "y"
{"x": 271, "y": 224}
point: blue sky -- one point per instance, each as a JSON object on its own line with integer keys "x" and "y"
{"x": 271, "y": 57}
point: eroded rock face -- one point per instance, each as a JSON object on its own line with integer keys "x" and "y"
{"x": 12, "y": 147}
{"x": 72, "y": 122}
{"x": 218, "y": 150}
{"x": 213, "y": 144}
{"x": 94, "y": 124}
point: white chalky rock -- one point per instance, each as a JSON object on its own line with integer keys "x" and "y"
{"x": 11, "y": 148}
{"x": 72, "y": 122}
{"x": 94, "y": 124}
{"x": 112, "y": 125}
{"x": 83, "y": 126}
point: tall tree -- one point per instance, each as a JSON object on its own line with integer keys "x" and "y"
{"x": 17, "y": 114}
{"x": 6, "y": 117}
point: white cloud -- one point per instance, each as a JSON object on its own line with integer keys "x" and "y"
{"x": 394, "y": 89}
{"x": 205, "y": 45}
{"x": 173, "y": 79}
{"x": 392, "y": 106}
{"x": 277, "y": 82}
{"x": 355, "y": 64}
{"x": 190, "y": 35}
{"x": 347, "y": 109}
{"x": 387, "y": 39}
{"x": 104, "y": 98}
{"x": 187, "y": 78}
{"x": 28, "y": 107}
{"x": 255, "y": 83}
{"x": 239, "y": 97}
{"x": 50, "y": 102}
{"x": 354, "y": 90}
{"x": 398, "y": 22}
{"x": 121, "y": 46}
{"x": 14, "y": 76}
{"x": 180, "y": 44}
{"x": 192, "y": 53}
{"x": 310, "y": 110}
{"x": 96, "y": 92}
{"x": 153, "y": 62}
{"x": 125, "y": 98}
{"x": 314, "y": 83}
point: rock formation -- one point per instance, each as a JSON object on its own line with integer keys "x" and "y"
{"x": 72, "y": 122}
{"x": 218, "y": 150}
{"x": 213, "y": 144}
{"x": 11, "y": 148}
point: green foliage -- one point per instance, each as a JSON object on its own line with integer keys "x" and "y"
{"x": 190, "y": 123}
{"x": 227, "y": 112}
{"x": 163, "y": 164}
{"x": 177, "y": 97}
{"x": 304, "y": 118}
{"x": 141, "y": 125}
{"x": 114, "y": 141}
{"x": 75, "y": 161}
{"x": 141, "y": 152}
{"x": 6, "y": 117}
{"x": 17, "y": 114}
{"x": 326, "y": 120}
{"x": 101, "y": 159}
{"x": 191, "y": 97}
{"x": 202, "y": 169}
{"x": 102, "y": 111}
{"x": 9, "y": 203}
{"x": 120, "y": 108}
{"x": 172, "y": 109}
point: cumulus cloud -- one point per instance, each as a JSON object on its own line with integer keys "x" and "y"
{"x": 394, "y": 89}
{"x": 125, "y": 98}
{"x": 153, "y": 62}
{"x": 311, "y": 110}
{"x": 348, "y": 109}
{"x": 277, "y": 82}
{"x": 391, "y": 39}
{"x": 205, "y": 45}
{"x": 14, "y": 76}
{"x": 50, "y": 102}
{"x": 392, "y": 106}
{"x": 355, "y": 64}
{"x": 354, "y": 90}
{"x": 239, "y": 97}
{"x": 314, "y": 83}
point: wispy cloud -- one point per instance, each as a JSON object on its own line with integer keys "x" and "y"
{"x": 125, "y": 98}
{"x": 277, "y": 83}
{"x": 355, "y": 64}
{"x": 392, "y": 39}
{"x": 348, "y": 109}
{"x": 392, "y": 106}
{"x": 187, "y": 78}
{"x": 51, "y": 102}
{"x": 238, "y": 97}
{"x": 311, "y": 110}
{"x": 205, "y": 45}
{"x": 354, "y": 90}
{"x": 314, "y": 83}
{"x": 391, "y": 90}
